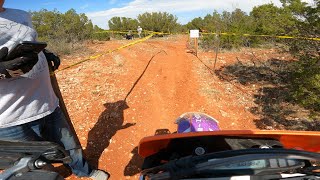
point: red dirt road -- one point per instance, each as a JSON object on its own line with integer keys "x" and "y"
{"x": 109, "y": 125}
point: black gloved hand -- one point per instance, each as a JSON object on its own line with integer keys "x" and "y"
{"x": 3, "y": 53}
{"x": 53, "y": 59}
{"x": 17, "y": 66}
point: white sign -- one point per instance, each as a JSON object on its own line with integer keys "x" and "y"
{"x": 194, "y": 33}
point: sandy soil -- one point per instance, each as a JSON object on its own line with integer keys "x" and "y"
{"x": 119, "y": 98}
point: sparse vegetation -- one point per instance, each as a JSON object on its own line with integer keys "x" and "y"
{"x": 294, "y": 85}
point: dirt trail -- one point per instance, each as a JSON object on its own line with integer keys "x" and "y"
{"x": 173, "y": 82}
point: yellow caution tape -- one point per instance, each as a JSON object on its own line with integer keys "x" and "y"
{"x": 115, "y": 32}
{"x": 223, "y": 33}
{"x": 152, "y": 33}
{"x": 262, "y": 35}
{"x": 108, "y": 52}
{"x": 132, "y": 32}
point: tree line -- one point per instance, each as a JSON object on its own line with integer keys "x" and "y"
{"x": 154, "y": 21}
{"x": 64, "y": 32}
{"x": 266, "y": 19}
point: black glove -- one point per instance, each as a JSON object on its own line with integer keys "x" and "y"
{"x": 18, "y": 66}
{"x": 53, "y": 60}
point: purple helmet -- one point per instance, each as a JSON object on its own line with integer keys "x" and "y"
{"x": 196, "y": 122}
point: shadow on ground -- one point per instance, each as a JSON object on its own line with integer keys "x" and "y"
{"x": 274, "y": 107}
{"x": 134, "y": 165}
{"x": 109, "y": 122}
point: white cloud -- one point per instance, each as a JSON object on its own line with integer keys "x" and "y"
{"x": 48, "y": 3}
{"x": 136, "y": 7}
{"x": 84, "y": 6}
{"x": 112, "y": 1}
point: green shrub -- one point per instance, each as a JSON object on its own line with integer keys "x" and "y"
{"x": 101, "y": 36}
{"x": 60, "y": 46}
{"x": 306, "y": 82}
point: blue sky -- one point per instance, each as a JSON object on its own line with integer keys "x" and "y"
{"x": 100, "y": 11}
{"x": 64, "y": 5}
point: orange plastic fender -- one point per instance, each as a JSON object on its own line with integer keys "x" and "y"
{"x": 301, "y": 140}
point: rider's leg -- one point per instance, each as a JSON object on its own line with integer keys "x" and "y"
{"x": 57, "y": 129}
{"x": 22, "y": 132}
